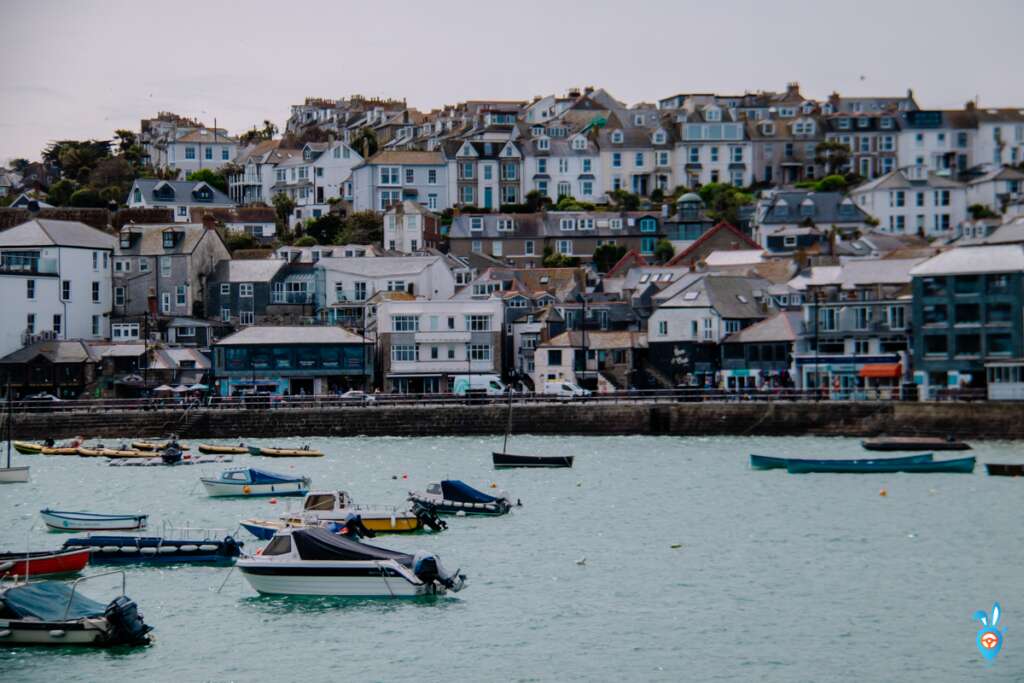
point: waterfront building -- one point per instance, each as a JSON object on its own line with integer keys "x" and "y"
{"x": 61, "y": 368}
{"x": 410, "y": 227}
{"x": 279, "y": 360}
{"x": 968, "y": 311}
{"x": 161, "y": 271}
{"x": 761, "y": 356}
{"x": 261, "y": 291}
{"x": 180, "y": 196}
{"x": 607, "y": 361}
{"x": 913, "y": 200}
{"x": 55, "y": 282}
{"x": 424, "y": 344}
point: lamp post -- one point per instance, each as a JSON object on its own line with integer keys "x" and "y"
{"x": 817, "y": 370}
{"x": 583, "y": 329}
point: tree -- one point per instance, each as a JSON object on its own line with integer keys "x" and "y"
{"x": 87, "y": 198}
{"x": 607, "y": 255}
{"x": 210, "y": 177}
{"x": 555, "y": 260}
{"x": 979, "y": 211}
{"x": 325, "y": 229}
{"x": 834, "y": 155}
{"x": 723, "y": 202}
{"x": 363, "y": 227}
{"x": 126, "y": 139}
{"x": 305, "y": 241}
{"x": 284, "y": 206}
{"x": 113, "y": 171}
{"x": 535, "y": 201}
{"x": 267, "y": 132}
{"x": 365, "y": 143}
{"x": 60, "y": 192}
{"x": 831, "y": 183}
{"x": 627, "y": 201}
{"x": 19, "y": 164}
{"x": 75, "y": 158}
{"x": 664, "y": 251}
{"x": 235, "y": 240}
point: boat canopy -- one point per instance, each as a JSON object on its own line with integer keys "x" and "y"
{"x": 319, "y": 544}
{"x": 265, "y": 477}
{"x": 48, "y": 601}
{"x": 453, "y": 489}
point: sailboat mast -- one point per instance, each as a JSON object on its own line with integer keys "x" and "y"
{"x": 10, "y": 416}
{"x": 508, "y": 427}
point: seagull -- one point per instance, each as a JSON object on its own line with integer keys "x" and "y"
{"x": 582, "y": 561}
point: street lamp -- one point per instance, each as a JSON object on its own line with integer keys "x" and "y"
{"x": 583, "y": 329}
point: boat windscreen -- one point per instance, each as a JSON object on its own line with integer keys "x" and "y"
{"x": 48, "y": 600}
{"x": 320, "y": 544}
{"x": 320, "y": 501}
{"x": 264, "y": 477}
{"x": 460, "y": 491}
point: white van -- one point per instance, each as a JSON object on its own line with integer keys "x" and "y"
{"x": 489, "y": 385}
{"x": 564, "y": 389}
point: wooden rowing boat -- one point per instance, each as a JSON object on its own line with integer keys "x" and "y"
{"x": 959, "y": 465}
{"x": 304, "y": 452}
{"x": 210, "y": 449}
{"x": 508, "y": 460}
{"x": 1004, "y": 470}
{"x": 914, "y": 443}
{"x": 767, "y": 462}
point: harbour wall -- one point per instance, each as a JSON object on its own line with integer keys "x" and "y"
{"x": 980, "y": 420}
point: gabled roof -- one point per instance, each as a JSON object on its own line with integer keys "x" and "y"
{"x": 150, "y": 240}
{"x": 304, "y": 334}
{"x": 1003, "y": 258}
{"x": 731, "y": 296}
{"x": 743, "y": 239}
{"x": 630, "y": 259}
{"x": 899, "y": 180}
{"x": 183, "y": 192}
{"x": 1000, "y": 173}
{"x": 73, "y": 351}
{"x": 828, "y": 208}
{"x": 42, "y": 232}
{"x": 784, "y": 326}
{"x": 234, "y": 270}
{"x": 599, "y": 340}
{"x": 379, "y": 266}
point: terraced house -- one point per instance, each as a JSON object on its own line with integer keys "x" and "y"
{"x": 563, "y": 167}
{"x": 712, "y": 148}
{"x": 871, "y": 139}
{"x": 180, "y": 196}
{"x": 486, "y": 173}
{"x": 637, "y": 156}
{"x": 392, "y": 176}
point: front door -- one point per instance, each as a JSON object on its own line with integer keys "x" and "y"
{"x": 488, "y": 197}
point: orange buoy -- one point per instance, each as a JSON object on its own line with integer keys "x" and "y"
{"x": 273, "y": 501}
{"x": 883, "y": 493}
{"x": 246, "y": 489}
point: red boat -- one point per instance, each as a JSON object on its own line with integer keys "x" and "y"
{"x": 44, "y": 562}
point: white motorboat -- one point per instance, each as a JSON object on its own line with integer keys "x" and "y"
{"x": 58, "y": 520}
{"x": 13, "y": 475}
{"x": 337, "y": 506}
{"x": 249, "y": 481}
{"x": 314, "y": 561}
{"x": 452, "y": 497}
{"x": 55, "y": 613}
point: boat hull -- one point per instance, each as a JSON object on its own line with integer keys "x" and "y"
{"x": 222, "y": 450}
{"x": 510, "y": 460}
{"x": 455, "y": 507}
{"x": 766, "y": 462}
{"x": 285, "y": 452}
{"x": 1002, "y": 470}
{"x": 67, "y": 561}
{"x": 914, "y": 444}
{"x": 83, "y": 632}
{"x": 27, "y": 447}
{"x": 343, "y": 579}
{"x": 216, "y": 488}
{"x": 958, "y": 466}
{"x": 13, "y": 475}
{"x": 78, "y": 522}
{"x": 117, "y": 550}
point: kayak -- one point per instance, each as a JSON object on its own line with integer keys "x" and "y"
{"x": 959, "y": 465}
{"x": 765, "y": 462}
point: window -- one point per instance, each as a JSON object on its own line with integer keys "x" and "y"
{"x": 165, "y": 302}
{"x": 648, "y": 224}
{"x": 30, "y": 289}
{"x": 225, "y": 154}
{"x": 181, "y": 295}
{"x": 405, "y": 323}
{"x": 506, "y": 225}
{"x": 968, "y": 345}
{"x": 942, "y": 198}
{"x": 967, "y": 284}
{"x": 586, "y": 224}
{"x": 564, "y": 247}
{"x": 476, "y": 223}
{"x": 714, "y": 154}
{"x": 496, "y": 248}
{"x": 225, "y": 315}
{"x": 563, "y": 165}
{"x": 967, "y": 314}
{"x": 615, "y": 224}
{"x": 432, "y": 202}
{"x": 708, "y": 328}
{"x": 245, "y": 290}
{"x": 403, "y": 352}
{"x": 95, "y": 326}
{"x": 95, "y": 260}
{"x": 827, "y": 319}
{"x": 165, "y": 266}
{"x": 65, "y": 290}
{"x": 95, "y": 292}
{"x": 862, "y": 318}
{"x": 30, "y": 323}
{"x": 662, "y": 158}
{"x": 935, "y": 314}
{"x": 617, "y": 136}
{"x": 638, "y": 159}
{"x": 119, "y": 296}
{"x": 396, "y": 285}
{"x": 586, "y": 188}
{"x": 208, "y": 154}
{"x": 478, "y": 323}
{"x": 616, "y": 159}
{"x": 694, "y": 155}
{"x": 736, "y": 153}
{"x": 897, "y": 318}
{"x": 467, "y": 194}
{"x": 124, "y": 331}
{"x": 388, "y": 175}
{"x": 542, "y": 165}
{"x": 480, "y": 352}
{"x": 246, "y": 318}
{"x": 225, "y": 289}
{"x": 647, "y": 245}
{"x": 564, "y": 189}
{"x": 477, "y": 246}
{"x": 143, "y": 265}
{"x": 528, "y": 248}
{"x": 566, "y": 224}
{"x": 662, "y": 328}
{"x": 543, "y": 144}
{"x": 190, "y": 152}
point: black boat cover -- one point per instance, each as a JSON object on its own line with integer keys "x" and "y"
{"x": 320, "y": 544}
{"x": 48, "y": 600}
{"x": 453, "y": 489}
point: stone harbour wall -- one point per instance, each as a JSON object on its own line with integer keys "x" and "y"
{"x": 981, "y": 420}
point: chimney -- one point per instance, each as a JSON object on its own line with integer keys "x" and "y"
{"x": 792, "y": 88}
{"x": 209, "y": 222}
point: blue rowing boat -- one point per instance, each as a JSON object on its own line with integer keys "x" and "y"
{"x": 766, "y": 462}
{"x": 157, "y": 550}
{"x": 959, "y": 465}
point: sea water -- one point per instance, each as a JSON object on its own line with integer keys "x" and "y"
{"x": 653, "y": 559}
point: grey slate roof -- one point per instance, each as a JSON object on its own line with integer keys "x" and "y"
{"x": 242, "y": 270}
{"x": 379, "y": 266}
{"x": 41, "y": 232}
{"x": 829, "y": 207}
{"x": 784, "y": 326}
{"x": 53, "y": 351}
{"x": 733, "y": 297}
{"x": 536, "y": 225}
{"x": 151, "y": 239}
{"x": 304, "y": 334}
{"x": 183, "y": 190}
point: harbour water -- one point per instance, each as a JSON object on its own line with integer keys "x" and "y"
{"x": 655, "y": 558}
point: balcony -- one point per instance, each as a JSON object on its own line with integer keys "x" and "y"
{"x": 443, "y": 337}
{"x": 292, "y": 298}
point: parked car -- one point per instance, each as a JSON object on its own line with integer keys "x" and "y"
{"x": 357, "y": 396}
{"x": 42, "y": 402}
{"x": 563, "y": 389}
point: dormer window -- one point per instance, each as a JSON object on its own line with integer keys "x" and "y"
{"x": 768, "y": 128}
{"x": 506, "y": 225}
{"x": 307, "y": 154}
{"x": 170, "y": 237}
{"x": 638, "y": 119}
{"x": 886, "y": 122}
{"x": 863, "y": 122}
{"x": 807, "y": 208}
{"x": 476, "y": 224}
{"x": 844, "y": 123}
{"x": 543, "y": 144}
{"x": 617, "y": 137}
{"x": 202, "y": 193}
{"x": 579, "y": 142}
{"x": 827, "y": 108}
{"x": 164, "y": 191}
{"x": 137, "y": 195}
{"x": 808, "y": 107}
{"x": 659, "y": 137}
{"x": 787, "y": 112}
{"x": 615, "y": 224}
{"x": 537, "y": 131}
{"x": 126, "y": 239}
{"x": 566, "y": 224}
{"x": 713, "y": 115}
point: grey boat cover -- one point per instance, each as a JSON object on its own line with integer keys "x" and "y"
{"x": 317, "y": 543}
{"x": 48, "y": 601}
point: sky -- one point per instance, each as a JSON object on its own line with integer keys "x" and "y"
{"x": 79, "y": 69}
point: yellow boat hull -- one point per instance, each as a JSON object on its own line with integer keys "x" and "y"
{"x": 113, "y": 453}
{"x": 27, "y": 447}
{"x": 402, "y": 524}
{"x": 59, "y": 451}
{"x": 289, "y": 453}
{"x": 210, "y": 449}
{"x": 155, "y": 445}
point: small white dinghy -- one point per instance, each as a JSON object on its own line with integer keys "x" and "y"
{"x": 249, "y": 481}
{"x": 58, "y": 520}
{"x": 314, "y": 561}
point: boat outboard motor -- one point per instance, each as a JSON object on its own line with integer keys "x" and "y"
{"x": 127, "y": 626}
{"x": 172, "y": 454}
{"x": 231, "y": 547}
{"x": 428, "y": 569}
{"x": 354, "y": 528}
{"x": 427, "y": 514}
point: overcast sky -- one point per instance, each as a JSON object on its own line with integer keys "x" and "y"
{"x": 81, "y": 68}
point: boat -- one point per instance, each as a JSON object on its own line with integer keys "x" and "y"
{"x": 914, "y": 443}
{"x": 1004, "y": 470}
{"x": 91, "y": 521}
{"x": 767, "y": 462}
{"x": 27, "y": 447}
{"x": 56, "y": 613}
{"x": 158, "y": 460}
{"x": 43, "y": 562}
{"x": 338, "y": 506}
{"x": 59, "y": 450}
{"x": 304, "y": 452}
{"x": 504, "y": 460}
{"x": 9, "y": 474}
{"x": 249, "y": 481}
{"x": 263, "y": 529}
{"x": 101, "y": 452}
{"x": 156, "y": 549}
{"x": 450, "y": 497}
{"x": 211, "y": 449}
{"x": 143, "y": 445}
{"x": 314, "y": 561}
{"x": 959, "y": 465}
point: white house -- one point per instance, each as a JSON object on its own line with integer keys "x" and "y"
{"x": 391, "y": 176}
{"x": 996, "y": 189}
{"x": 941, "y": 141}
{"x": 321, "y": 172}
{"x": 55, "y": 282}
{"x": 1000, "y": 137}
{"x": 912, "y": 200}
{"x": 187, "y": 148}
{"x": 425, "y": 344}
{"x": 637, "y": 157}
{"x": 343, "y": 280}
{"x": 410, "y": 227}
{"x": 181, "y": 196}
{"x": 712, "y": 147}
{"x": 558, "y": 167}
{"x": 253, "y": 182}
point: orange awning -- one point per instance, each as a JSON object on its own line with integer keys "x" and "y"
{"x": 882, "y": 371}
